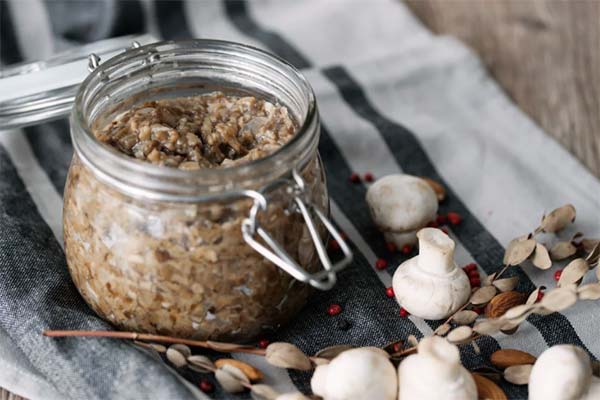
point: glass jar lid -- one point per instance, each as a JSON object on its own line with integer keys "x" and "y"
{"x": 35, "y": 92}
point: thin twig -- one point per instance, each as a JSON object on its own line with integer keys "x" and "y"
{"x": 153, "y": 338}
{"x": 502, "y": 271}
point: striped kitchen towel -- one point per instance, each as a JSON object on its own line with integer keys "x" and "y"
{"x": 393, "y": 98}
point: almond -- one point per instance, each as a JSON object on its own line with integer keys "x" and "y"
{"x": 487, "y": 389}
{"x": 505, "y": 358}
{"x": 251, "y": 372}
{"x": 501, "y": 303}
{"x": 437, "y": 187}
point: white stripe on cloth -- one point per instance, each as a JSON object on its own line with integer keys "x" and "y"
{"x": 207, "y": 20}
{"x": 341, "y": 31}
{"x": 35, "y": 179}
{"x": 35, "y": 39}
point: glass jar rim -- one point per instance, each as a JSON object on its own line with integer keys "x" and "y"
{"x": 81, "y": 123}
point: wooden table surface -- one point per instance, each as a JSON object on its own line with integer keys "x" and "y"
{"x": 546, "y": 55}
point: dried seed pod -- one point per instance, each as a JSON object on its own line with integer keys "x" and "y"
{"x": 503, "y": 302}
{"x": 332, "y": 352}
{"x": 518, "y": 374}
{"x": 253, "y": 373}
{"x": 558, "y": 219}
{"x": 465, "y": 317}
{"x": 487, "y": 389}
{"x": 182, "y": 348}
{"x": 589, "y": 244}
{"x": 489, "y": 326}
{"x": 505, "y": 358}
{"x": 594, "y": 254}
{"x": 175, "y": 357}
{"x": 286, "y": 355}
{"x": 412, "y": 340}
{"x": 460, "y": 335}
{"x": 541, "y": 258}
{"x": 442, "y": 329}
{"x": 483, "y": 295}
{"x": 200, "y": 363}
{"x": 533, "y": 297}
{"x": 519, "y": 313}
{"x": 559, "y": 299}
{"x": 591, "y": 291}
{"x": 509, "y": 328}
{"x": 226, "y": 347}
{"x": 506, "y": 284}
{"x": 263, "y": 392}
{"x": 489, "y": 280}
{"x": 231, "y": 379}
{"x": 518, "y": 250}
{"x": 574, "y": 272}
{"x": 562, "y": 250}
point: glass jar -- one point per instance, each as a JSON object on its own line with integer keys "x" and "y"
{"x": 216, "y": 254}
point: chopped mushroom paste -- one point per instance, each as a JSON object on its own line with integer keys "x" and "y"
{"x": 184, "y": 269}
{"x": 207, "y": 131}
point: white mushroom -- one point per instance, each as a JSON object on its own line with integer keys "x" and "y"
{"x": 435, "y": 373}
{"x": 401, "y": 205}
{"x": 430, "y": 285}
{"x": 356, "y": 374}
{"x": 563, "y": 372}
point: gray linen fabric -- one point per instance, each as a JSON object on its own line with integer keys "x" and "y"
{"x": 393, "y": 98}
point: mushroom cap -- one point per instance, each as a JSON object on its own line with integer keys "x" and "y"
{"x": 562, "y": 372}
{"x": 355, "y": 375}
{"x": 400, "y": 203}
{"x": 435, "y": 373}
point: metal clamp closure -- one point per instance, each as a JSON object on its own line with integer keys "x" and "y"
{"x": 274, "y": 251}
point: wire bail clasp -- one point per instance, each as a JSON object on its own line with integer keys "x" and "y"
{"x": 274, "y": 251}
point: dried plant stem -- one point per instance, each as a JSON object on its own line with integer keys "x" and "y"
{"x": 467, "y": 304}
{"x": 501, "y": 272}
{"x": 412, "y": 350}
{"x": 150, "y": 338}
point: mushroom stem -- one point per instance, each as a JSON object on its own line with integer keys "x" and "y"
{"x": 436, "y": 251}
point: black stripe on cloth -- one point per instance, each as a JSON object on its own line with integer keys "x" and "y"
{"x": 9, "y": 48}
{"x": 37, "y": 293}
{"x": 484, "y": 248}
{"x": 237, "y": 11}
{"x": 129, "y": 18}
{"x": 171, "y": 21}
{"x": 51, "y": 145}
